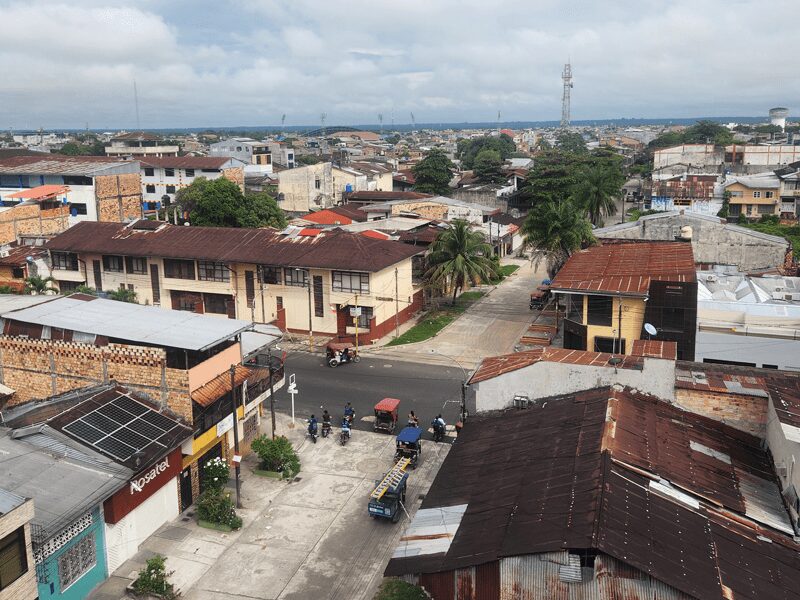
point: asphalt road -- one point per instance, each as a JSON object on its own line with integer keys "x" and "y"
{"x": 426, "y": 389}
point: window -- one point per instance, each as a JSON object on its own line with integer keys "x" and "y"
{"x": 735, "y": 194}
{"x": 269, "y": 275}
{"x": 672, "y": 319}
{"x": 65, "y": 260}
{"x": 208, "y": 270}
{"x": 77, "y": 180}
{"x": 317, "y": 183}
{"x": 364, "y": 319}
{"x": 170, "y": 189}
{"x": 169, "y": 172}
{"x": 179, "y": 269}
{"x": 150, "y": 188}
{"x": 319, "y": 309}
{"x": 295, "y": 277}
{"x": 216, "y": 303}
{"x": 77, "y": 208}
{"x": 348, "y": 281}
{"x": 135, "y": 265}
{"x": 67, "y": 287}
{"x": 756, "y": 194}
{"x": 766, "y": 209}
{"x": 112, "y": 263}
{"x": 609, "y": 345}
{"x": 13, "y": 558}
{"x": 575, "y": 308}
{"x": 17, "y": 272}
{"x": 149, "y": 172}
{"x": 600, "y": 310}
{"x": 76, "y": 561}
{"x": 238, "y": 148}
{"x": 769, "y": 194}
{"x": 187, "y": 301}
{"x": 279, "y": 302}
{"x": 734, "y": 210}
{"x": 190, "y": 172}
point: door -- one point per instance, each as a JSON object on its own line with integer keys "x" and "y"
{"x": 250, "y": 288}
{"x": 154, "y": 284}
{"x": 319, "y": 309}
{"x": 98, "y": 275}
{"x": 186, "y": 488}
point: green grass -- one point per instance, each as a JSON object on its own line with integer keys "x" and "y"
{"x": 436, "y": 320}
{"x": 395, "y": 589}
{"x": 790, "y": 232}
{"x": 503, "y": 272}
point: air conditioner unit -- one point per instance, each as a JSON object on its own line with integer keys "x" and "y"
{"x": 711, "y": 278}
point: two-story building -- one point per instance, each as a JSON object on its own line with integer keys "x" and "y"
{"x": 136, "y": 144}
{"x": 790, "y": 190}
{"x": 304, "y": 280}
{"x": 162, "y": 177}
{"x": 256, "y": 155}
{"x": 611, "y": 292}
{"x": 754, "y": 195}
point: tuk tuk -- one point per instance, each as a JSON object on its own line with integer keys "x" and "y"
{"x": 386, "y": 500}
{"x": 337, "y": 353}
{"x": 540, "y": 296}
{"x": 386, "y": 414}
{"x": 409, "y": 445}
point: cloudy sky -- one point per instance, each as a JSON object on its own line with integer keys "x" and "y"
{"x": 247, "y": 62}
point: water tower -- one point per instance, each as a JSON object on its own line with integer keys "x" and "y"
{"x": 777, "y": 116}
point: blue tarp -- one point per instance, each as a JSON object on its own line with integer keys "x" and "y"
{"x": 409, "y": 435}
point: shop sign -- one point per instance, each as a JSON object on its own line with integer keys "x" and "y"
{"x": 137, "y": 485}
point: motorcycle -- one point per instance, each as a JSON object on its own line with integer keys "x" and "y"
{"x": 438, "y": 433}
{"x": 312, "y": 432}
{"x": 326, "y": 429}
{"x": 339, "y": 354}
{"x": 344, "y": 435}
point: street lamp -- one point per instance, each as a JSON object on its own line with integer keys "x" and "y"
{"x": 463, "y": 383}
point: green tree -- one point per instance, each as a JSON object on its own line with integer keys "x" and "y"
{"x": 433, "y": 173}
{"x": 37, "y": 285}
{"x": 570, "y": 141}
{"x": 702, "y": 132}
{"x": 221, "y": 203}
{"x": 261, "y": 210}
{"x": 468, "y": 149}
{"x": 123, "y": 295}
{"x": 488, "y": 165}
{"x": 458, "y": 257}
{"x": 306, "y": 159}
{"x": 553, "y": 231}
{"x": 551, "y": 179}
{"x": 596, "y": 193}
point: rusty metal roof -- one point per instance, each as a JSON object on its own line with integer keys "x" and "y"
{"x": 785, "y": 394}
{"x": 56, "y": 164}
{"x": 212, "y": 391}
{"x": 495, "y": 366}
{"x": 42, "y": 192}
{"x": 685, "y": 499}
{"x": 655, "y": 349}
{"x": 333, "y": 249}
{"x": 187, "y": 162}
{"x": 626, "y": 268}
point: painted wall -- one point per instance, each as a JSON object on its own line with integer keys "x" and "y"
{"x": 97, "y": 574}
{"x": 632, "y": 321}
{"x": 300, "y": 191}
{"x": 751, "y": 349}
{"x": 24, "y": 587}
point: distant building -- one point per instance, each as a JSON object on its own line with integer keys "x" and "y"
{"x": 360, "y": 176}
{"x": 139, "y": 144}
{"x": 754, "y": 195}
{"x": 749, "y": 158}
{"x": 695, "y": 155}
{"x": 303, "y": 189}
{"x": 257, "y": 156}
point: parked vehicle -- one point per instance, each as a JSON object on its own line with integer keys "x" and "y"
{"x": 386, "y": 415}
{"x": 409, "y": 445}
{"x": 387, "y": 499}
{"x": 541, "y": 296}
{"x": 338, "y": 354}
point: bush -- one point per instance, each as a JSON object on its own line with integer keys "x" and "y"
{"x": 396, "y": 589}
{"x": 216, "y": 506}
{"x": 152, "y": 579}
{"x": 741, "y": 219}
{"x": 770, "y": 219}
{"x": 216, "y": 474}
{"x": 276, "y": 455}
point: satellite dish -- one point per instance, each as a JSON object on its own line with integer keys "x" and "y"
{"x": 650, "y": 329}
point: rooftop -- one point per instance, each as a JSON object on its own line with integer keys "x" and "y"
{"x": 331, "y": 249}
{"x": 675, "y": 495}
{"x": 338, "y": 215}
{"x": 130, "y": 322}
{"x": 42, "y": 192}
{"x": 57, "y": 164}
{"x": 626, "y": 268}
{"x": 9, "y": 501}
{"x": 136, "y": 136}
{"x": 367, "y": 196}
{"x": 189, "y": 162}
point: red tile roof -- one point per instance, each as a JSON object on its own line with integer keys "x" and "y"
{"x": 42, "y": 192}
{"x": 655, "y": 349}
{"x": 378, "y": 235}
{"x": 495, "y": 366}
{"x": 212, "y": 391}
{"x": 626, "y": 268}
{"x": 338, "y": 215}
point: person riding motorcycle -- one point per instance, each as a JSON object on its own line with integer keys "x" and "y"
{"x": 438, "y": 425}
{"x": 413, "y": 421}
{"x": 349, "y": 413}
{"x": 345, "y": 426}
{"x": 326, "y": 422}
{"x": 312, "y": 425}
{"x": 345, "y": 355}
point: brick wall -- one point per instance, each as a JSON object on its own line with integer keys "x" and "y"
{"x": 119, "y": 197}
{"x": 746, "y": 413}
{"x": 236, "y": 175}
{"x": 38, "y": 369}
{"x": 29, "y": 219}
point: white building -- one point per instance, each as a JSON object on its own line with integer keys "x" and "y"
{"x": 140, "y": 143}
{"x": 257, "y": 156}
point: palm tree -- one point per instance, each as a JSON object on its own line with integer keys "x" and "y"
{"x": 596, "y": 193}
{"x": 459, "y": 256}
{"x": 554, "y": 230}
{"x": 37, "y": 285}
{"x": 123, "y": 295}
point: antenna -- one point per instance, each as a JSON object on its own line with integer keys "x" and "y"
{"x": 380, "y": 120}
{"x": 283, "y": 120}
{"x": 392, "y": 118}
{"x": 498, "y": 121}
{"x": 567, "y": 77}
{"x": 136, "y": 104}
{"x": 413, "y": 123}
{"x": 322, "y": 118}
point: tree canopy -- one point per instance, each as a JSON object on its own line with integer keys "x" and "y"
{"x": 488, "y": 165}
{"x": 221, "y": 203}
{"x": 433, "y": 173}
{"x": 702, "y": 132}
{"x": 469, "y": 149}
{"x": 570, "y": 141}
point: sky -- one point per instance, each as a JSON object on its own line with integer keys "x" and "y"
{"x": 226, "y": 63}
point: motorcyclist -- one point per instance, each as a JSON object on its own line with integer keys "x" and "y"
{"x": 326, "y": 421}
{"x": 349, "y": 413}
{"x": 345, "y": 355}
{"x": 438, "y": 424}
{"x": 312, "y": 425}
{"x": 345, "y": 426}
{"x": 413, "y": 421}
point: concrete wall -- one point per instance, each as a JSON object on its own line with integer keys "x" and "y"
{"x": 483, "y": 197}
{"x": 23, "y": 588}
{"x": 713, "y": 242}
{"x": 758, "y": 351}
{"x": 300, "y": 191}
{"x": 690, "y": 154}
{"x": 544, "y": 379}
{"x": 784, "y": 444}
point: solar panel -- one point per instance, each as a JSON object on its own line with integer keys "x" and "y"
{"x": 84, "y": 431}
{"x": 116, "y": 413}
{"x": 101, "y": 422}
{"x": 151, "y": 432}
{"x": 130, "y": 405}
{"x": 116, "y": 448}
{"x": 131, "y": 438}
{"x": 158, "y": 420}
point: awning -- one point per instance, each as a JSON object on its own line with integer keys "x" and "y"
{"x": 42, "y": 192}
{"x": 212, "y": 391}
{"x": 6, "y": 391}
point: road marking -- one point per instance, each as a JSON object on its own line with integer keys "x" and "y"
{"x": 387, "y": 366}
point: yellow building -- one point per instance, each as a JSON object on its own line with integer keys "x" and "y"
{"x": 610, "y": 292}
{"x": 754, "y": 195}
{"x": 301, "y": 279}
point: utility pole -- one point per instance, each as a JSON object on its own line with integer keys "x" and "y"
{"x": 310, "y": 316}
{"x": 235, "y": 436}
{"x": 396, "y": 306}
{"x": 358, "y": 316}
{"x": 271, "y": 390}
{"x": 619, "y": 327}
{"x": 566, "y": 76}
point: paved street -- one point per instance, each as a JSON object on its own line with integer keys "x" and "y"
{"x": 491, "y": 326}
{"x": 425, "y": 389}
{"x": 309, "y": 539}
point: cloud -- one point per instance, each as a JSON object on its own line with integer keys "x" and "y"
{"x": 249, "y": 61}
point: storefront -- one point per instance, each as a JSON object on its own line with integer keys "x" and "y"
{"x": 136, "y": 511}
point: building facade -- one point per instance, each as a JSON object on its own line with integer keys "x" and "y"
{"x": 304, "y": 189}
{"x": 257, "y": 156}
{"x": 18, "y": 572}
{"x": 139, "y": 144}
{"x": 754, "y": 195}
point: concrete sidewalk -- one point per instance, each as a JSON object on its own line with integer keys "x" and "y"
{"x": 311, "y": 538}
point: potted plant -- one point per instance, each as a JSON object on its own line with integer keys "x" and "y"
{"x": 277, "y": 457}
{"x": 215, "y": 509}
{"x": 152, "y": 581}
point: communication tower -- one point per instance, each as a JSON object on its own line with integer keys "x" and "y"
{"x": 567, "y": 77}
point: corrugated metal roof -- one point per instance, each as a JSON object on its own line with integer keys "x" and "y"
{"x": 212, "y": 391}
{"x": 189, "y": 162}
{"x": 9, "y": 501}
{"x": 626, "y": 268}
{"x": 55, "y": 164}
{"x": 430, "y": 532}
{"x": 42, "y": 192}
{"x": 131, "y": 322}
{"x": 332, "y": 249}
